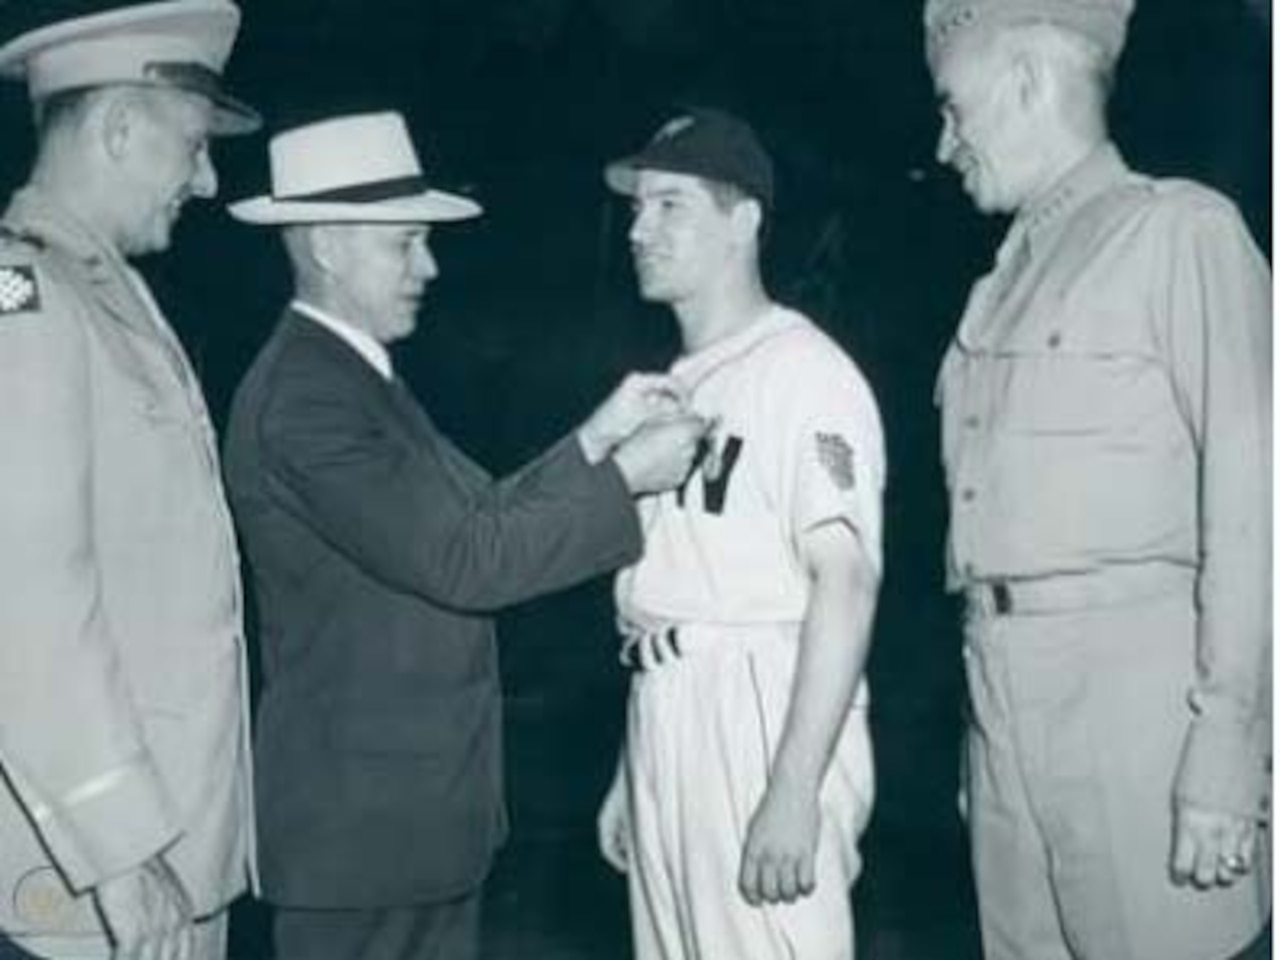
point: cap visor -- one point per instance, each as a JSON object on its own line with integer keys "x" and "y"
{"x": 233, "y": 117}
{"x": 621, "y": 176}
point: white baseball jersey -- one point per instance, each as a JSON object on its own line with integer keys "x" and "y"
{"x": 799, "y": 444}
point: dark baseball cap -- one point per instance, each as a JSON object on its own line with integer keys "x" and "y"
{"x": 702, "y": 142}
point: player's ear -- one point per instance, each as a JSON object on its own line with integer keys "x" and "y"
{"x": 748, "y": 218}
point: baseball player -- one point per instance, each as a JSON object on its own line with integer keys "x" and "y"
{"x": 746, "y": 776}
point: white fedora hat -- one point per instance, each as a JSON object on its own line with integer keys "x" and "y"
{"x": 60, "y": 45}
{"x": 360, "y": 168}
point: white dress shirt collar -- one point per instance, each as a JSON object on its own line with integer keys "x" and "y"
{"x": 373, "y": 352}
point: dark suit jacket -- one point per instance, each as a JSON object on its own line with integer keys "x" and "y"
{"x": 378, "y": 551}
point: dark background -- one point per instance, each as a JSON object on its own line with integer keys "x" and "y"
{"x": 520, "y": 102}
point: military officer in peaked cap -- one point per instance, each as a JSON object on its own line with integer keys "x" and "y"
{"x": 1107, "y": 440}
{"x": 125, "y": 824}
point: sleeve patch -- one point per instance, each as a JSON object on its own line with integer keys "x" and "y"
{"x": 19, "y": 291}
{"x": 836, "y": 456}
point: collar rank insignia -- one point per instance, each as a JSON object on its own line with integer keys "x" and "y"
{"x": 836, "y": 456}
{"x": 19, "y": 291}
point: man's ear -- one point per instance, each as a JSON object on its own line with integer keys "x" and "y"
{"x": 1033, "y": 80}
{"x": 115, "y": 122}
{"x": 326, "y": 247}
{"x": 748, "y": 218}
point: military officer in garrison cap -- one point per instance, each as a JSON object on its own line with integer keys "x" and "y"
{"x": 125, "y": 825}
{"x": 1107, "y": 440}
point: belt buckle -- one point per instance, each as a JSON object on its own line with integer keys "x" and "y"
{"x": 1001, "y": 598}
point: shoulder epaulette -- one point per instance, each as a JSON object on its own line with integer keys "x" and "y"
{"x": 22, "y": 236}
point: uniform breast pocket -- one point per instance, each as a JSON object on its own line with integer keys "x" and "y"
{"x": 1082, "y": 392}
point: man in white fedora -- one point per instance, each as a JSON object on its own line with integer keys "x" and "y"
{"x": 125, "y": 799}
{"x": 380, "y": 553}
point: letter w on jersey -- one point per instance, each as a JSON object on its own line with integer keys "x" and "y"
{"x": 716, "y": 464}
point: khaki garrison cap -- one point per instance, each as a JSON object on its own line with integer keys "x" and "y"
{"x": 60, "y": 45}
{"x": 1103, "y": 21}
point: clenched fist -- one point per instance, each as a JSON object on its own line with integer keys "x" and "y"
{"x": 659, "y": 455}
{"x": 639, "y": 399}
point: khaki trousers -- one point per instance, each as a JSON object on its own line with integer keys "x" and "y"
{"x": 1077, "y": 727}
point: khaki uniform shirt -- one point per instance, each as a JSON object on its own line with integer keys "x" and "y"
{"x": 123, "y": 715}
{"x": 1107, "y": 402}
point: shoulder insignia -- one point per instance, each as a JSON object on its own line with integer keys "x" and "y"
{"x": 19, "y": 290}
{"x": 836, "y": 455}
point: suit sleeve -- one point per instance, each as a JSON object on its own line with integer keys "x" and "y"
{"x": 396, "y": 510}
{"x": 71, "y": 746}
{"x": 1218, "y": 325}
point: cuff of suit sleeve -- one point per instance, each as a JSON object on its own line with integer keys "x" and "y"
{"x": 630, "y": 534}
{"x": 615, "y": 507}
{"x": 609, "y": 508}
{"x": 108, "y": 825}
{"x": 1225, "y": 767}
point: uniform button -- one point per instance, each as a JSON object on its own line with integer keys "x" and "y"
{"x": 1055, "y": 340}
{"x": 972, "y": 421}
{"x": 968, "y": 494}
{"x": 969, "y": 570}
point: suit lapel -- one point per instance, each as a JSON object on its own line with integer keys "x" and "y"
{"x": 465, "y": 472}
{"x": 409, "y": 411}
{"x": 403, "y": 411}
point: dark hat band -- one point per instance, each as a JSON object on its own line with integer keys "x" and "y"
{"x": 371, "y": 192}
{"x": 186, "y": 75}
